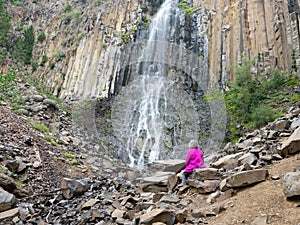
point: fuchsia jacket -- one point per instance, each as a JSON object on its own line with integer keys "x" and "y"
{"x": 194, "y": 159}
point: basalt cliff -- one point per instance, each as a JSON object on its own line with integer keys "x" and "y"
{"x": 83, "y": 40}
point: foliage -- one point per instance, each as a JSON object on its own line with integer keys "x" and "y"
{"x": 40, "y": 127}
{"x": 74, "y": 162}
{"x": 44, "y": 60}
{"x": 67, "y": 17}
{"x": 144, "y": 8}
{"x": 50, "y": 140}
{"x": 59, "y": 55}
{"x": 252, "y": 103}
{"x": 67, "y": 7}
{"x": 184, "y": 6}
{"x": 23, "y": 46}
{"x": 41, "y": 37}
{"x": 69, "y": 155}
{"x": 8, "y": 91}
{"x": 5, "y": 27}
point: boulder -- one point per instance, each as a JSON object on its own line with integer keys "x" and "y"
{"x": 227, "y": 160}
{"x": 171, "y": 165}
{"x": 246, "y": 178}
{"x": 159, "y": 182}
{"x": 206, "y": 174}
{"x": 280, "y": 125}
{"x": 7, "y": 183}
{"x": 292, "y": 144}
{"x": 158, "y": 215}
{"x": 7, "y": 200}
{"x": 295, "y": 124}
{"x": 72, "y": 187}
{"x": 292, "y": 184}
{"x": 206, "y": 186}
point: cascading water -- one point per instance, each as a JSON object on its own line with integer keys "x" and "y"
{"x": 160, "y": 106}
{"x": 148, "y": 121}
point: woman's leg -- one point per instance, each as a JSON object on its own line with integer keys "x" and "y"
{"x": 185, "y": 175}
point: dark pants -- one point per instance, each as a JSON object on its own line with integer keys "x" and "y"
{"x": 185, "y": 175}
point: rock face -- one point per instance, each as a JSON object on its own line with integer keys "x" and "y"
{"x": 267, "y": 30}
{"x": 83, "y": 46}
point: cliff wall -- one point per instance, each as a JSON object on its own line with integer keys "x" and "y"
{"x": 84, "y": 39}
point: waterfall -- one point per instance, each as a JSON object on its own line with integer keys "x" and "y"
{"x": 149, "y": 117}
{"x": 161, "y": 107}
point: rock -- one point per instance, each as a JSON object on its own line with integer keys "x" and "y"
{"x": 38, "y": 98}
{"x": 158, "y": 215}
{"x": 71, "y": 187}
{"x": 172, "y": 165}
{"x": 7, "y": 200}
{"x": 117, "y": 213}
{"x": 247, "y": 158}
{"x": 50, "y": 102}
{"x": 292, "y": 144}
{"x": 12, "y": 165}
{"x": 158, "y": 182}
{"x": 260, "y": 220}
{"x": 181, "y": 215}
{"x": 292, "y": 184}
{"x": 228, "y": 161}
{"x": 272, "y": 134}
{"x": 169, "y": 199}
{"x": 206, "y": 186}
{"x": 9, "y": 213}
{"x": 295, "y": 124}
{"x": 246, "y": 178}
{"x": 7, "y": 183}
{"x": 197, "y": 213}
{"x": 280, "y": 125}
{"x": 206, "y": 174}
{"x": 89, "y": 203}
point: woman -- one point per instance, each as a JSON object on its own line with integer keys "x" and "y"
{"x": 194, "y": 159}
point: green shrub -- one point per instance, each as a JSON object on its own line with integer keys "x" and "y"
{"x": 50, "y": 140}
{"x": 23, "y": 46}
{"x": 252, "y": 103}
{"x": 41, "y": 37}
{"x": 67, "y": 7}
{"x": 69, "y": 155}
{"x": 5, "y": 26}
{"x": 40, "y": 127}
{"x": 8, "y": 90}
{"x": 51, "y": 65}
{"x": 44, "y": 60}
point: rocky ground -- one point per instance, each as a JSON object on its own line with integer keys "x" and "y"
{"x": 57, "y": 177}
